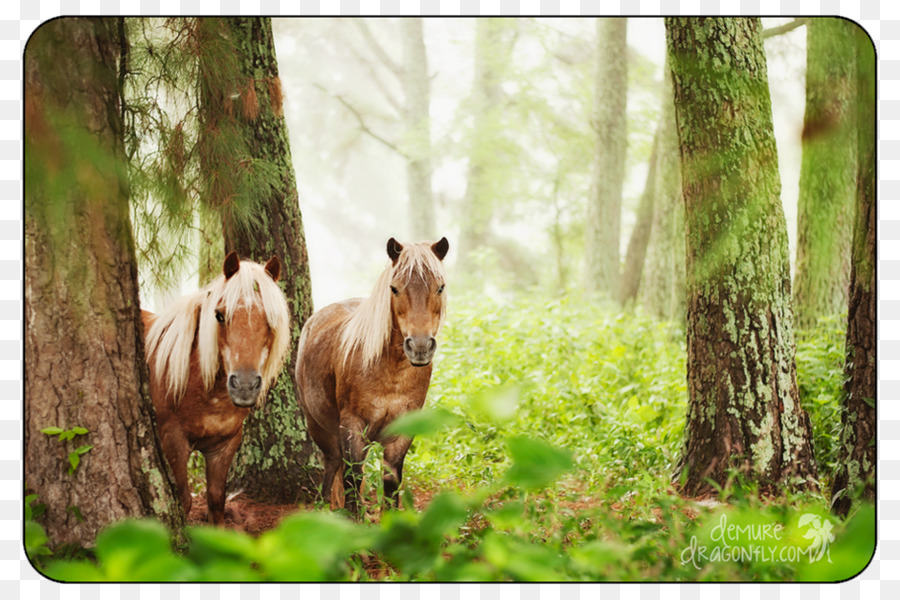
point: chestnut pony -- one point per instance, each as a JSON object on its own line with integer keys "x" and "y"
{"x": 212, "y": 356}
{"x": 361, "y": 363}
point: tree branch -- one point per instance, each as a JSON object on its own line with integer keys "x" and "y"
{"x": 377, "y": 49}
{"x": 392, "y": 100}
{"x": 362, "y": 123}
{"x": 781, "y": 29}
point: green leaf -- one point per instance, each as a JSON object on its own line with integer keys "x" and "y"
{"x": 83, "y": 449}
{"x": 35, "y": 540}
{"x": 77, "y": 512}
{"x": 445, "y": 514}
{"x": 79, "y": 430}
{"x": 211, "y": 544}
{"x": 52, "y": 430}
{"x": 74, "y": 459}
{"x": 75, "y": 571}
{"x": 421, "y": 422}
{"x": 135, "y": 549}
{"x": 536, "y": 464}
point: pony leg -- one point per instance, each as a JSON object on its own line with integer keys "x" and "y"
{"x": 353, "y": 448}
{"x": 217, "y": 463}
{"x": 177, "y": 451}
{"x": 394, "y": 452}
{"x": 331, "y": 450}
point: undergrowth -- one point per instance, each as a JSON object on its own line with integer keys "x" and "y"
{"x": 546, "y": 449}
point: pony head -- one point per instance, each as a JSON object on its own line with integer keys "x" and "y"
{"x": 408, "y": 296}
{"x": 417, "y": 296}
{"x": 244, "y": 329}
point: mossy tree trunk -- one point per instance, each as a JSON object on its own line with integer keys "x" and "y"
{"x": 856, "y": 456}
{"x": 261, "y": 218}
{"x": 828, "y": 172}
{"x": 743, "y": 411}
{"x": 84, "y": 351}
{"x": 662, "y": 281}
{"x": 604, "y": 214}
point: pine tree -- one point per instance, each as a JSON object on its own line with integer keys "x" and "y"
{"x": 84, "y": 358}
{"x": 246, "y": 164}
{"x": 856, "y": 456}
{"x": 743, "y": 410}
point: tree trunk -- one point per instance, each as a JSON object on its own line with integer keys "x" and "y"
{"x": 856, "y": 456}
{"x": 662, "y": 286}
{"x": 84, "y": 351}
{"x": 417, "y": 123}
{"x": 486, "y": 101}
{"x": 605, "y": 203}
{"x": 827, "y": 174}
{"x": 640, "y": 237}
{"x": 743, "y": 410}
{"x": 276, "y": 459}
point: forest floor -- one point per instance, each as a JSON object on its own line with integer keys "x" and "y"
{"x": 255, "y": 518}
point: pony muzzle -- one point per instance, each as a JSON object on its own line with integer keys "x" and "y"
{"x": 244, "y": 386}
{"x": 420, "y": 349}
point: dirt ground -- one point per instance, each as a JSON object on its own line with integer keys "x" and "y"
{"x": 252, "y": 517}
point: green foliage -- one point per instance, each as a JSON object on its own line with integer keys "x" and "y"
{"x": 66, "y": 435}
{"x": 820, "y": 379}
{"x": 608, "y": 387}
{"x": 548, "y": 444}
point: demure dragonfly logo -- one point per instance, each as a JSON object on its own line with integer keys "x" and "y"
{"x": 819, "y": 533}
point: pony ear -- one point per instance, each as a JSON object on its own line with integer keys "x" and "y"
{"x": 232, "y": 264}
{"x": 273, "y": 268}
{"x": 440, "y": 248}
{"x": 394, "y": 248}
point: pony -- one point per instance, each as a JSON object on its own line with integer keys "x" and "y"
{"x": 213, "y": 355}
{"x": 362, "y": 363}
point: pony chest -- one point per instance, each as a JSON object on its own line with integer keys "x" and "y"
{"x": 216, "y": 417}
{"x": 378, "y": 405}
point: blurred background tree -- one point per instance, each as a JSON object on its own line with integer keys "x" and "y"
{"x": 828, "y": 172}
{"x": 604, "y": 215}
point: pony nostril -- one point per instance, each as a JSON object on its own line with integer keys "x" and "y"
{"x": 432, "y": 344}
{"x": 233, "y": 382}
{"x": 408, "y": 345}
{"x": 257, "y": 383}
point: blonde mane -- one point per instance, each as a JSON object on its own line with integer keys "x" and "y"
{"x": 172, "y": 335}
{"x": 368, "y": 330}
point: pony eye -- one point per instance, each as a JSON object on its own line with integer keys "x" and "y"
{"x": 440, "y": 290}
{"x": 394, "y": 290}
{"x": 220, "y": 317}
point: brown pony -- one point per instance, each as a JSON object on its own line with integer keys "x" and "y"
{"x": 361, "y": 363}
{"x": 212, "y": 356}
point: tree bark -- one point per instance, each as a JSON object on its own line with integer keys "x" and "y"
{"x": 417, "y": 122}
{"x": 744, "y": 411}
{"x": 856, "y": 456}
{"x": 605, "y": 202}
{"x": 84, "y": 352}
{"x": 276, "y": 459}
{"x": 827, "y": 174}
